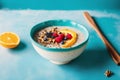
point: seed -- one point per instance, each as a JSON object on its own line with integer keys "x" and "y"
{"x": 55, "y": 28}
{"x": 50, "y": 39}
{"x": 108, "y": 73}
{"x": 45, "y": 39}
{"x": 39, "y": 38}
{"x": 53, "y": 40}
{"x": 59, "y": 32}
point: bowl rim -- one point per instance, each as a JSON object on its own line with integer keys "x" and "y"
{"x": 59, "y": 49}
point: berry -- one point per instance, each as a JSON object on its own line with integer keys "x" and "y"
{"x": 58, "y": 39}
{"x": 69, "y": 36}
{"x": 49, "y": 34}
{"x": 62, "y": 36}
{"x": 65, "y": 38}
{"x": 63, "y": 42}
{"x": 55, "y": 34}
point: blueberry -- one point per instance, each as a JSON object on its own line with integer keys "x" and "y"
{"x": 63, "y": 42}
{"x": 65, "y": 38}
{"x": 49, "y": 34}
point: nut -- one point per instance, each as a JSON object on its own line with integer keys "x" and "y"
{"x": 108, "y": 73}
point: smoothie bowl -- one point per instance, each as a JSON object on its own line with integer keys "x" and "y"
{"x": 59, "y": 41}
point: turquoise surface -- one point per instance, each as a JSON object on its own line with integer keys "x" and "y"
{"x": 24, "y": 63}
{"x": 60, "y": 4}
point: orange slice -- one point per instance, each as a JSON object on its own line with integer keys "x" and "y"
{"x": 72, "y": 41}
{"x": 9, "y": 40}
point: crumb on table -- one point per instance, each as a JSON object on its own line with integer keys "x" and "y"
{"x": 108, "y": 73}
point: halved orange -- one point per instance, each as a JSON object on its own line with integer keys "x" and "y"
{"x": 9, "y": 40}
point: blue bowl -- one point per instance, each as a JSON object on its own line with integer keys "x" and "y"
{"x": 47, "y": 52}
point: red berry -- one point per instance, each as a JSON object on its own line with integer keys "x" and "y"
{"x": 69, "y": 36}
{"x": 61, "y": 35}
{"x": 55, "y": 34}
{"x": 58, "y": 39}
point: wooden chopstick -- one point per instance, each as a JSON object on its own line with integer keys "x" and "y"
{"x": 114, "y": 54}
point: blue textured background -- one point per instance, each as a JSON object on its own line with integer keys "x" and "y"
{"x": 23, "y": 62}
{"x": 60, "y": 4}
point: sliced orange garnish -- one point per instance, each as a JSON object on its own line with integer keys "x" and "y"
{"x": 9, "y": 40}
{"x": 72, "y": 41}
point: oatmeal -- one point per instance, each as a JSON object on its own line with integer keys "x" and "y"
{"x": 59, "y": 37}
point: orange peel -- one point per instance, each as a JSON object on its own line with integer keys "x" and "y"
{"x": 70, "y": 42}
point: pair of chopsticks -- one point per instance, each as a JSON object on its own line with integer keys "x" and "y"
{"x": 114, "y": 54}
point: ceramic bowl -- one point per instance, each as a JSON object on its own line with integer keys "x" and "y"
{"x": 59, "y": 55}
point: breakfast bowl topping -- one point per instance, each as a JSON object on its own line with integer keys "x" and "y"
{"x": 59, "y": 37}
